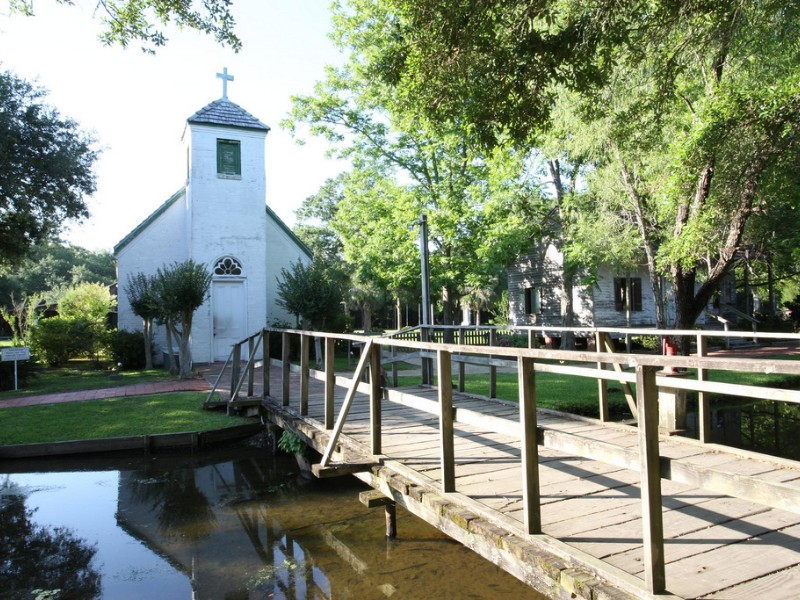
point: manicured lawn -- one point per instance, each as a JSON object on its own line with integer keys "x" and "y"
{"x": 578, "y": 395}
{"x": 566, "y": 393}
{"x": 114, "y": 417}
{"x": 79, "y": 375}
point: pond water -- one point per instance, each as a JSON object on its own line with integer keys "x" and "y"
{"x": 231, "y": 524}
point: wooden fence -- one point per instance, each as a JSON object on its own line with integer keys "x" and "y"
{"x": 644, "y": 374}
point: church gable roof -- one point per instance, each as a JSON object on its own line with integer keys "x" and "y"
{"x": 273, "y": 216}
{"x": 146, "y": 223}
{"x": 225, "y": 113}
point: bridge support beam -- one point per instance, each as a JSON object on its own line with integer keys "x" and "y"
{"x": 375, "y": 498}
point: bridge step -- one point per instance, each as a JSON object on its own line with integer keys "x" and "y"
{"x": 374, "y": 498}
{"x": 340, "y": 469}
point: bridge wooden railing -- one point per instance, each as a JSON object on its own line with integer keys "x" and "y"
{"x": 642, "y": 372}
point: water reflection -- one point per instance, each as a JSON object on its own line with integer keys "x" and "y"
{"x": 233, "y": 524}
{"x": 34, "y": 557}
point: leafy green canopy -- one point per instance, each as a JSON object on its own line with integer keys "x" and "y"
{"x": 126, "y": 21}
{"x": 45, "y": 169}
{"x": 310, "y": 293}
{"x": 687, "y": 110}
{"x": 53, "y": 266}
{"x": 403, "y": 166}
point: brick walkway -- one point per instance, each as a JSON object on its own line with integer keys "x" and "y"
{"x": 139, "y": 389}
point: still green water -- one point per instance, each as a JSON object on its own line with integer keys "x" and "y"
{"x": 229, "y": 524}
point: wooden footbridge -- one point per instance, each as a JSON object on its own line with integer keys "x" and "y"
{"x": 574, "y": 507}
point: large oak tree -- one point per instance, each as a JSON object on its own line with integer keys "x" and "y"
{"x": 46, "y": 166}
{"x": 693, "y": 106}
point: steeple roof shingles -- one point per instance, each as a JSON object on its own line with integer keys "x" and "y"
{"x": 228, "y": 114}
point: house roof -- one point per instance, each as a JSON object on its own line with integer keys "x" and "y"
{"x": 180, "y": 194}
{"x": 225, "y": 113}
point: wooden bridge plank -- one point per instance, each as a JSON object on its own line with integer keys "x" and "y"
{"x": 732, "y": 564}
{"x": 762, "y": 587}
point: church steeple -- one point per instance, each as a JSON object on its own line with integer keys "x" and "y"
{"x": 225, "y": 113}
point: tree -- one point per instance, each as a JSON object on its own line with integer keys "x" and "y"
{"x": 45, "y": 169}
{"x": 182, "y": 289}
{"x": 671, "y": 97}
{"x": 90, "y": 305}
{"x": 127, "y": 21}
{"x": 310, "y": 294}
{"x": 142, "y": 294}
{"x": 54, "y": 561}
{"x": 402, "y": 167}
{"x": 53, "y": 266}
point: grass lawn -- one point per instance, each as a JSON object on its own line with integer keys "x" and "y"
{"x": 80, "y": 375}
{"x": 114, "y": 417}
{"x": 566, "y": 393}
{"x": 578, "y": 395}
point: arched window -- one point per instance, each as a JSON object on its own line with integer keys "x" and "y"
{"x": 228, "y": 266}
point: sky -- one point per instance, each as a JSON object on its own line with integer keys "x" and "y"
{"x": 136, "y": 104}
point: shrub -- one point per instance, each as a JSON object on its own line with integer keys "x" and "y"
{"x": 126, "y": 347}
{"x": 56, "y": 340}
{"x": 651, "y": 343}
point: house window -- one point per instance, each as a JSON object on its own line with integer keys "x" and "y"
{"x": 621, "y": 287}
{"x": 532, "y": 300}
{"x": 228, "y": 266}
{"x": 229, "y": 159}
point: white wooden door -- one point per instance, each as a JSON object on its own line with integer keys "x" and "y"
{"x": 230, "y": 316}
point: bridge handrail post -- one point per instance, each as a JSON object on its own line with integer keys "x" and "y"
{"x": 265, "y": 374}
{"x": 394, "y": 367}
{"x": 446, "y": 442}
{"x": 703, "y": 398}
{"x": 650, "y": 470}
{"x": 492, "y": 368}
{"x": 330, "y": 380}
{"x": 375, "y": 397}
{"x": 462, "y": 335}
{"x": 235, "y": 368}
{"x": 602, "y": 384}
{"x": 305, "y": 345}
{"x": 530, "y": 451}
{"x": 285, "y": 366}
{"x": 251, "y": 345}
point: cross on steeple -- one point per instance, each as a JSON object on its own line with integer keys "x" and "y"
{"x": 225, "y": 79}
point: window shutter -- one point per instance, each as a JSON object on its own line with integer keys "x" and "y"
{"x": 229, "y": 157}
{"x": 636, "y": 293}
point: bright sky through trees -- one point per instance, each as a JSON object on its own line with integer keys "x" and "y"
{"x": 136, "y": 104}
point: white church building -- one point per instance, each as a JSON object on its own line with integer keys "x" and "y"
{"x": 220, "y": 219}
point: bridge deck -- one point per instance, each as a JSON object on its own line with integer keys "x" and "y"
{"x": 716, "y": 546}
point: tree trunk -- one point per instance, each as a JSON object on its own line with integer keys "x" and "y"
{"x": 185, "y": 350}
{"x": 648, "y": 244}
{"x": 366, "y": 315}
{"x": 567, "y": 270}
{"x": 170, "y": 349}
{"x": 567, "y": 306}
{"x": 148, "y": 346}
{"x": 399, "y": 312}
{"x": 185, "y": 354}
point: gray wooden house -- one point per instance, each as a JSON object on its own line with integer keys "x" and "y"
{"x": 616, "y": 300}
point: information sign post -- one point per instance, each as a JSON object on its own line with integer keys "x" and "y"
{"x": 16, "y": 354}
